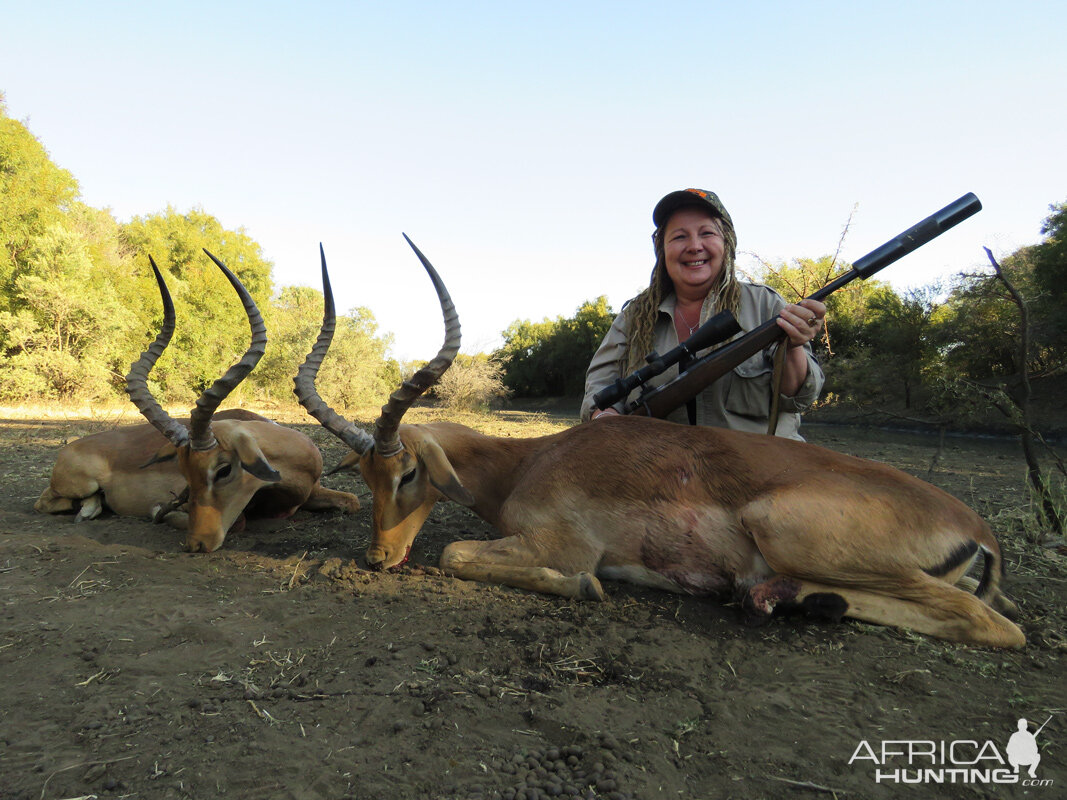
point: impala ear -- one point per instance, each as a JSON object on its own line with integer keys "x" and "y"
{"x": 166, "y": 453}
{"x": 350, "y": 463}
{"x": 251, "y": 456}
{"x": 441, "y": 474}
{"x": 262, "y": 470}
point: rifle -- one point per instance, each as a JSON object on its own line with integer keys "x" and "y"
{"x": 1043, "y": 724}
{"x": 704, "y": 371}
{"x": 717, "y": 329}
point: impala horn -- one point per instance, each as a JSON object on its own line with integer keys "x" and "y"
{"x": 137, "y": 377}
{"x": 200, "y": 435}
{"x": 386, "y": 437}
{"x": 304, "y": 382}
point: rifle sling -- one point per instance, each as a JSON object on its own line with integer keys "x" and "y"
{"x": 691, "y": 403}
{"x": 776, "y": 385}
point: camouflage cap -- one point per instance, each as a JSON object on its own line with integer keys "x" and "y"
{"x": 698, "y": 198}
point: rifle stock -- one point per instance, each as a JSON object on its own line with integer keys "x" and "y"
{"x": 703, "y": 372}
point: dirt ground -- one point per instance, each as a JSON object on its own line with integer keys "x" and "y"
{"x": 278, "y": 668}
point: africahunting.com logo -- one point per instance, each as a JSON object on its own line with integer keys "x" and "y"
{"x": 926, "y": 761}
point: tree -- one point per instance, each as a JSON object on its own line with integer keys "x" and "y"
{"x": 897, "y": 333}
{"x": 212, "y": 329}
{"x": 69, "y": 323}
{"x": 78, "y": 301}
{"x": 549, "y": 358}
{"x": 1050, "y": 257}
{"x": 975, "y": 332}
{"x": 355, "y": 373}
{"x": 846, "y": 309}
{"x": 35, "y": 195}
{"x": 1008, "y": 387}
{"x": 1049, "y": 264}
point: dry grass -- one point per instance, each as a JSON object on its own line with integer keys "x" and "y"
{"x": 496, "y": 422}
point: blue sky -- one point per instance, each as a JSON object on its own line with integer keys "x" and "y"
{"x": 522, "y": 146}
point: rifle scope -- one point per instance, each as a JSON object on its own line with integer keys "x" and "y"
{"x": 717, "y": 329}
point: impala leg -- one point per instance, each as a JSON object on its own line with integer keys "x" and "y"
{"x": 922, "y": 604}
{"x": 175, "y": 519}
{"x": 509, "y": 562}
{"x": 70, "y": 490}
{"x": 323, "y": 499}
{"x": 51, "y": 502}
{"x": 1001, "y": 602}
{"x": 91, "y": 507}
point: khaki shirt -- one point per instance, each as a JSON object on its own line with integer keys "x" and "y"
{"x": 739, "y": 400}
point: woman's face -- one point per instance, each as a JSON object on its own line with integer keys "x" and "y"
{"x": 693, "y": 249}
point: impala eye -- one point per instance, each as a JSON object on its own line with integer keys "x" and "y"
{"x": 222, "y": 472}
{"x": 407, "y": 477}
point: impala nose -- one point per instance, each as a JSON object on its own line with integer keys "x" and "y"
{"x": 204, "y": 544}
{"x": 379, "y": 558}
{"x": 375, "y": 557}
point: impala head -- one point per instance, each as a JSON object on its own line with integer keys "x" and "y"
{"x": 222, "y": 464}
{"x": 405, "y": 469}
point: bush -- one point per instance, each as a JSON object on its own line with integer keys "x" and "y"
{"x": 472, "y": 382}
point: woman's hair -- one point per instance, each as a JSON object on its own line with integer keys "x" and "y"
{"x": 643, "y": 310}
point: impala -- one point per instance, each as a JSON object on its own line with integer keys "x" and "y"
{"x": 687, "y": 509}
{"x": 200, "y": 474}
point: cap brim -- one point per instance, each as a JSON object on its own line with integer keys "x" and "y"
{"x": 684, "y": 198}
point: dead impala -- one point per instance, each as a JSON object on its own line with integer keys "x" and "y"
{"x": 686, "y": 509}
{"x": 222, "y": 464}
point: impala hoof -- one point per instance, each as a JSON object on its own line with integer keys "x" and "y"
{"x": 589, "y": 587}
{"x": 826, "y": 606}
{"x": 753, "y": 614}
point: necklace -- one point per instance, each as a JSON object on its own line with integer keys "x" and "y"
{"x": 681, "y": 316}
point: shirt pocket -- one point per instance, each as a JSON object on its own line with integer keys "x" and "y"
{"x": 749, "y": 394}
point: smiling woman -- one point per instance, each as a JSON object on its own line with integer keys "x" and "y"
{"x": 694, "y": 278}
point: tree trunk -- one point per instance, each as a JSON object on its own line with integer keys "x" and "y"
{"x": 1021, "y": 400}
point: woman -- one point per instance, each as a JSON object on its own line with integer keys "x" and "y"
{"x": 693, "y": 279}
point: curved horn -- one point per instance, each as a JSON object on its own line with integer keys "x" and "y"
{"x": 386, "y": 438}
{"x": 201, "y": 437}
{"x": 137, "y": 377}
{"x": 304, "y": 382}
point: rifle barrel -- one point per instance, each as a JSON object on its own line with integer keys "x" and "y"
{"x": 1043, "y": 724}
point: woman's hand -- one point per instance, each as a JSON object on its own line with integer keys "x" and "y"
{"x": 801, "y": 322}
{"x": 605, "y": 412}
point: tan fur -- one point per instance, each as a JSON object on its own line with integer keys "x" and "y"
{"x": 107, "y": 469}
{"x": 697, "y": 510}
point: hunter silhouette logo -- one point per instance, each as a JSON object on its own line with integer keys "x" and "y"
{"x": 961, "y": 761}
{"x": 1022, "y": 747}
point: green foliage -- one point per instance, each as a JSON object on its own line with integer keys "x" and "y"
{"x": 355, "y": 372}
{"x": 1050, "y": 260}
{"x": 977, "y": 312}
{"x": 78, "y": 302}
{"x": 801, "y": 277}
{"x": 179, "y": 240}
{"x": 472, "y": 383}
{"x": 884, "y": 358}
{"x": 1049, "y": 264}
{"x": 874, "y": 339}
{"x": 847, "y": 309}
{"x": 200, "y": 352}
{"x": 549, "y": 358}
{"x": 35, "y": 195}
{"x": 359, "y": 372}
{"x": 68, "y": 320}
